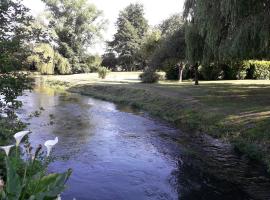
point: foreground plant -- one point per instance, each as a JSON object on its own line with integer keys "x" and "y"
{"x": 26, "y": 173}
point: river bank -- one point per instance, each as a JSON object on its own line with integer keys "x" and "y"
{"x": 234, "y": 111}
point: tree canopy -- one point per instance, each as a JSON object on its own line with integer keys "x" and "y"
{"x": 230, "y": 30}
{"x": 14, "y": 20}
{"x": 131, "y": 30}
{"x": 77, "y": 25}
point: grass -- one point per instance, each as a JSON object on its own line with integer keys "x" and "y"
{"x": 236, "y": 111}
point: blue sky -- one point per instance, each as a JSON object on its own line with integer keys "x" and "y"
{"x": 155, "y": 12}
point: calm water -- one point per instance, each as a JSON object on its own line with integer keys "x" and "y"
{"x": 117, "y": 153}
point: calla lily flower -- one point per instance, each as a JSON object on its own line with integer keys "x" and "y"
{"x": 7, "y": 148}
{"x": 49, "y": 144}
{"x": 19, "y": 136}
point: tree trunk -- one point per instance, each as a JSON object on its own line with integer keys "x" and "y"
{"x": 180, "y": 72}
{"x": 196, "y": 66}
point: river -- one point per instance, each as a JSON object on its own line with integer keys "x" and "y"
{"x": 118, "y": 153}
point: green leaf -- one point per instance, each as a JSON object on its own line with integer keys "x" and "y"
{"x": 13, "y": 186}
{"x": 48, "y": 186}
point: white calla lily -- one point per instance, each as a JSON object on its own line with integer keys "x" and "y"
{"x": 19, "y": 136}
{"x": 49, "y": 145}
{"x": 7, "y": 148}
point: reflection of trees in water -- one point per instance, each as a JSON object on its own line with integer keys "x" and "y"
{"x": 72, "y": 122}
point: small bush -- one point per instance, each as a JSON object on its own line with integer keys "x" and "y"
{"x": 170, "y": 68}
{"x": 211, "y": 72}
{"x": 149, "y": 76}
{"x": 103, "y": 72}
{"x": 172, "y": 73}
{"x": 257, "y": 69}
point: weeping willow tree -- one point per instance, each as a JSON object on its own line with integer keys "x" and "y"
{"x": 48, "y": 61}
{"x": 230, "y": 30}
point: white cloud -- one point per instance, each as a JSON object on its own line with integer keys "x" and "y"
{"x": 155, "y": 12}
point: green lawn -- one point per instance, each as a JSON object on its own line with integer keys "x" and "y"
{"x": 237, "y": 111}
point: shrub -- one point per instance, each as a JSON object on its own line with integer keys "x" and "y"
{"x": 149, "y": 76}
{"x": 211, "y": 72}
{"x": 170, "y": 68}
{"x": 257, "y": 69}
{"x": 232, "y": 71}
{"x": 103, "y": 72}
{"x": 172, "y": 73}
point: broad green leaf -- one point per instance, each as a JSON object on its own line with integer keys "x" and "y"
{"x": 49, "y": 186}
{"x": 13, "y": 186}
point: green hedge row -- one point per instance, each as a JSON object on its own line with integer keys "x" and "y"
{"x": 251, "y": 69}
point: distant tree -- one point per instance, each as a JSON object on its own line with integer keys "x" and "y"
{"x": 131, "y": 29}
{"x": 150, "y": 43}
{"x": 170, "y": 53}
{"x": 42, "y": 31}
{"x": 171, "y": 24}
{"x": 48, "y": 61}
{"x": 109, "y": 60}
{"x": 93, "y": 62}
{"x": 77, "y": 25}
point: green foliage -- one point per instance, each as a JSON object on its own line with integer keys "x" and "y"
{"x": 150, "y": 43}
{"x": 170, "y": 25}
{"x": 257, "y": 69}
{"x": 27, "y": 177}
{"x": 61, "y": 64}
{"x": 149, "y": 76}
{"x": 211, "y": 72}
{"x": 231, "y": 30}
{"x": 171, "y": 47}
{"x": 43, "y": 58}
{"x": 194, "y": 44}
{"x": 131, "y": 29}
{"x": 103, "y": 72}
{"x": 93, "y": 62}
{"x": 48, "y": 61}
{"x": 77, "y": 24}
{"x": 249, "y": 69}
{"x": 109, "y": 60}
{"x": 14, "y": 20}
{"x": 171, "y": 69}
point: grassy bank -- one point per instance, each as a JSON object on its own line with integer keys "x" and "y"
{"x": 237, "y": 111}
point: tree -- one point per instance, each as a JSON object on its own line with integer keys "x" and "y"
{"x": 131, "y": 29}
{"x": 14, "y": 20}
{"x": 194, "y": 48}
{"x": 228, "y": 30}
{"x": 109, "y": 60}
{"x": 14, "y": 36}
{"x": 150, "y": 44}
{"x": 170, "y": 25}
{"x": 48, "y": 61}
{"x": 170, "y": 53}
{"x": 77, "y": 25}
